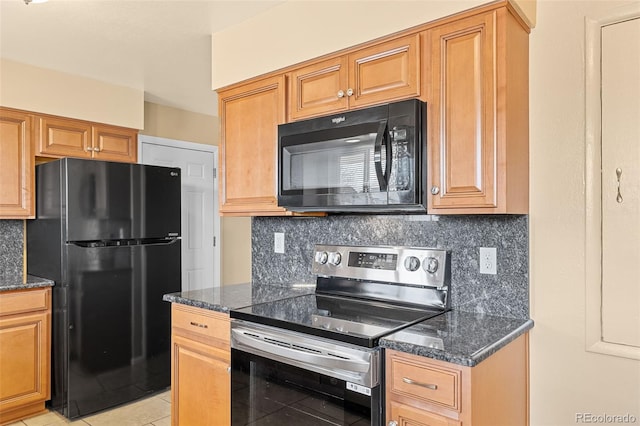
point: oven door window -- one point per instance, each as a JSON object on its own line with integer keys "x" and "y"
{"x": 267, "y": 392}
{"x": 349, "y": 162}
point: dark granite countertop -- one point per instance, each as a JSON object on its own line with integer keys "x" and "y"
{"x": 458, "y": 337}
{"x": 14, "y": 282}
{"x": 224, "y": 298}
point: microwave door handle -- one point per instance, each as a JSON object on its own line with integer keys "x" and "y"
{"x": 389, "y": 148}
{"x": 377, "y": 155}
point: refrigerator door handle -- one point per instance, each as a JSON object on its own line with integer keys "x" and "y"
{"x": 122, "y": 243}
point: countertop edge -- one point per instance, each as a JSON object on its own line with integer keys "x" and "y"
{"x": 467, "y": 360}
{"x": 16, "y": 283}
{"x": 176, "y": 298}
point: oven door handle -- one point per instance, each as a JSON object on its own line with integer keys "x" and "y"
{"x": 277, "y": 349}
{"x": 381, "y": 137}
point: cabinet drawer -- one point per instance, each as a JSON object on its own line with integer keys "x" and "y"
{"x": 201, "y": 322}
{"x": 15, "y": 302}
{"x": 425, "y": 382}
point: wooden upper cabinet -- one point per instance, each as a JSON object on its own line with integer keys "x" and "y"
{"x": 63, "y": 137}
{"x": 478, "y": 115}
{"x": 16, "y": 165}
{"x": 115, "y": 143}
{"x": 249, "y": 117}
{"x": 59, "y": 137}
{"x": 315, "y": 89}
{"x": 384, "y": 72}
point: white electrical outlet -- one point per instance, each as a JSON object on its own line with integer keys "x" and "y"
{"x": 488, "y": 260}
{"x": 278, "y": 242}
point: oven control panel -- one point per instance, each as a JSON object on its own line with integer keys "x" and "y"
{"x": 406, "y": 265}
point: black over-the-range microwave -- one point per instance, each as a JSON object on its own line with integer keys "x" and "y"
{"x": 369, "y": 160}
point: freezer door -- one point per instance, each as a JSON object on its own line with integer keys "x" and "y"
{"x": 111, "y": 201}
{"x": 119, "y": 328}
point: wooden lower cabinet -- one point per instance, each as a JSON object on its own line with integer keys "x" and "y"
{"x": 405, "y": 415}
{"x": 25, "y": 353}
{"x": 423, "y": 391}
{"x": 200, "y": 367}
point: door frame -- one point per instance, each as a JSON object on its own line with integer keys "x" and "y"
{"x": 193, "y": 146}
{"x": 593, "y": 180}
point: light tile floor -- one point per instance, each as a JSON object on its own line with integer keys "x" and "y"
{"x": 152, "y": 411}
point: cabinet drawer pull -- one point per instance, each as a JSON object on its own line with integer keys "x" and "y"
{"x": 196, "y": 324}
{"x": 424, "y": 385}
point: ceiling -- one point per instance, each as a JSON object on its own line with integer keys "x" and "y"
{"x": 160, "y": 47}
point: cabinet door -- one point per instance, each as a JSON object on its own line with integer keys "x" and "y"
{"x": 249, "y": 137}
{"x": 385, "y": 72}
{"x": 24, "y": 362}
{"x": 115, "y": 144}
{"x": 462, "y": 138}
{"x": 405, "y": 415}
{"x": 62, "y": 137}
{"x": 201, "y": 384}
{"x": 16, "y": 166}
{"x": 318, "y": 89}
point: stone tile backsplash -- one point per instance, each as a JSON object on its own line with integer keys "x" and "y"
{"x": 11, "y": 244}
{"x": 504, "y": 294}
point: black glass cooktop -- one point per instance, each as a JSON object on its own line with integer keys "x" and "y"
{"x": 346, "y": 319}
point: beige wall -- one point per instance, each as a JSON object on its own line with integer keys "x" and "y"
{"x": 565, "y": 379}
{"x": 295, "y": 31}
{"x": 172, "y": 123}
{"x": 42, "y": 90}
{"x": 236, "y": 250}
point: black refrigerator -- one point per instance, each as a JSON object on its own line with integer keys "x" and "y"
{"x": 108, "y": 234}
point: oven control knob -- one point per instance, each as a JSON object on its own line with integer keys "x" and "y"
{"x": 322, "y": 257}
{"x": 412, "y": 263}
{"x": 335, "y": 258}
{"x": 430, "y": 265}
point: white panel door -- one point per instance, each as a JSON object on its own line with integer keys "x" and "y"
{"x": 621, "y": 183}
{"x": 198, "y": 187}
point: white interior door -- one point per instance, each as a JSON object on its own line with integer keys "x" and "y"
{"x": 200, "y": 226}
{"x": 621, "y": 183}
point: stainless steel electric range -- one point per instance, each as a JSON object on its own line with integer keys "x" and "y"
{"x": 313, "y": 359}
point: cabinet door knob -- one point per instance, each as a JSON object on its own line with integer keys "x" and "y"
{"x": 229, "y": 369}
{"x": 349, "y": 91}
{"x": 340, "y": 93}
{"x": 435, "y": 190}
{"x": 392, "y": 423}
{"x": 96, "y": 149}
